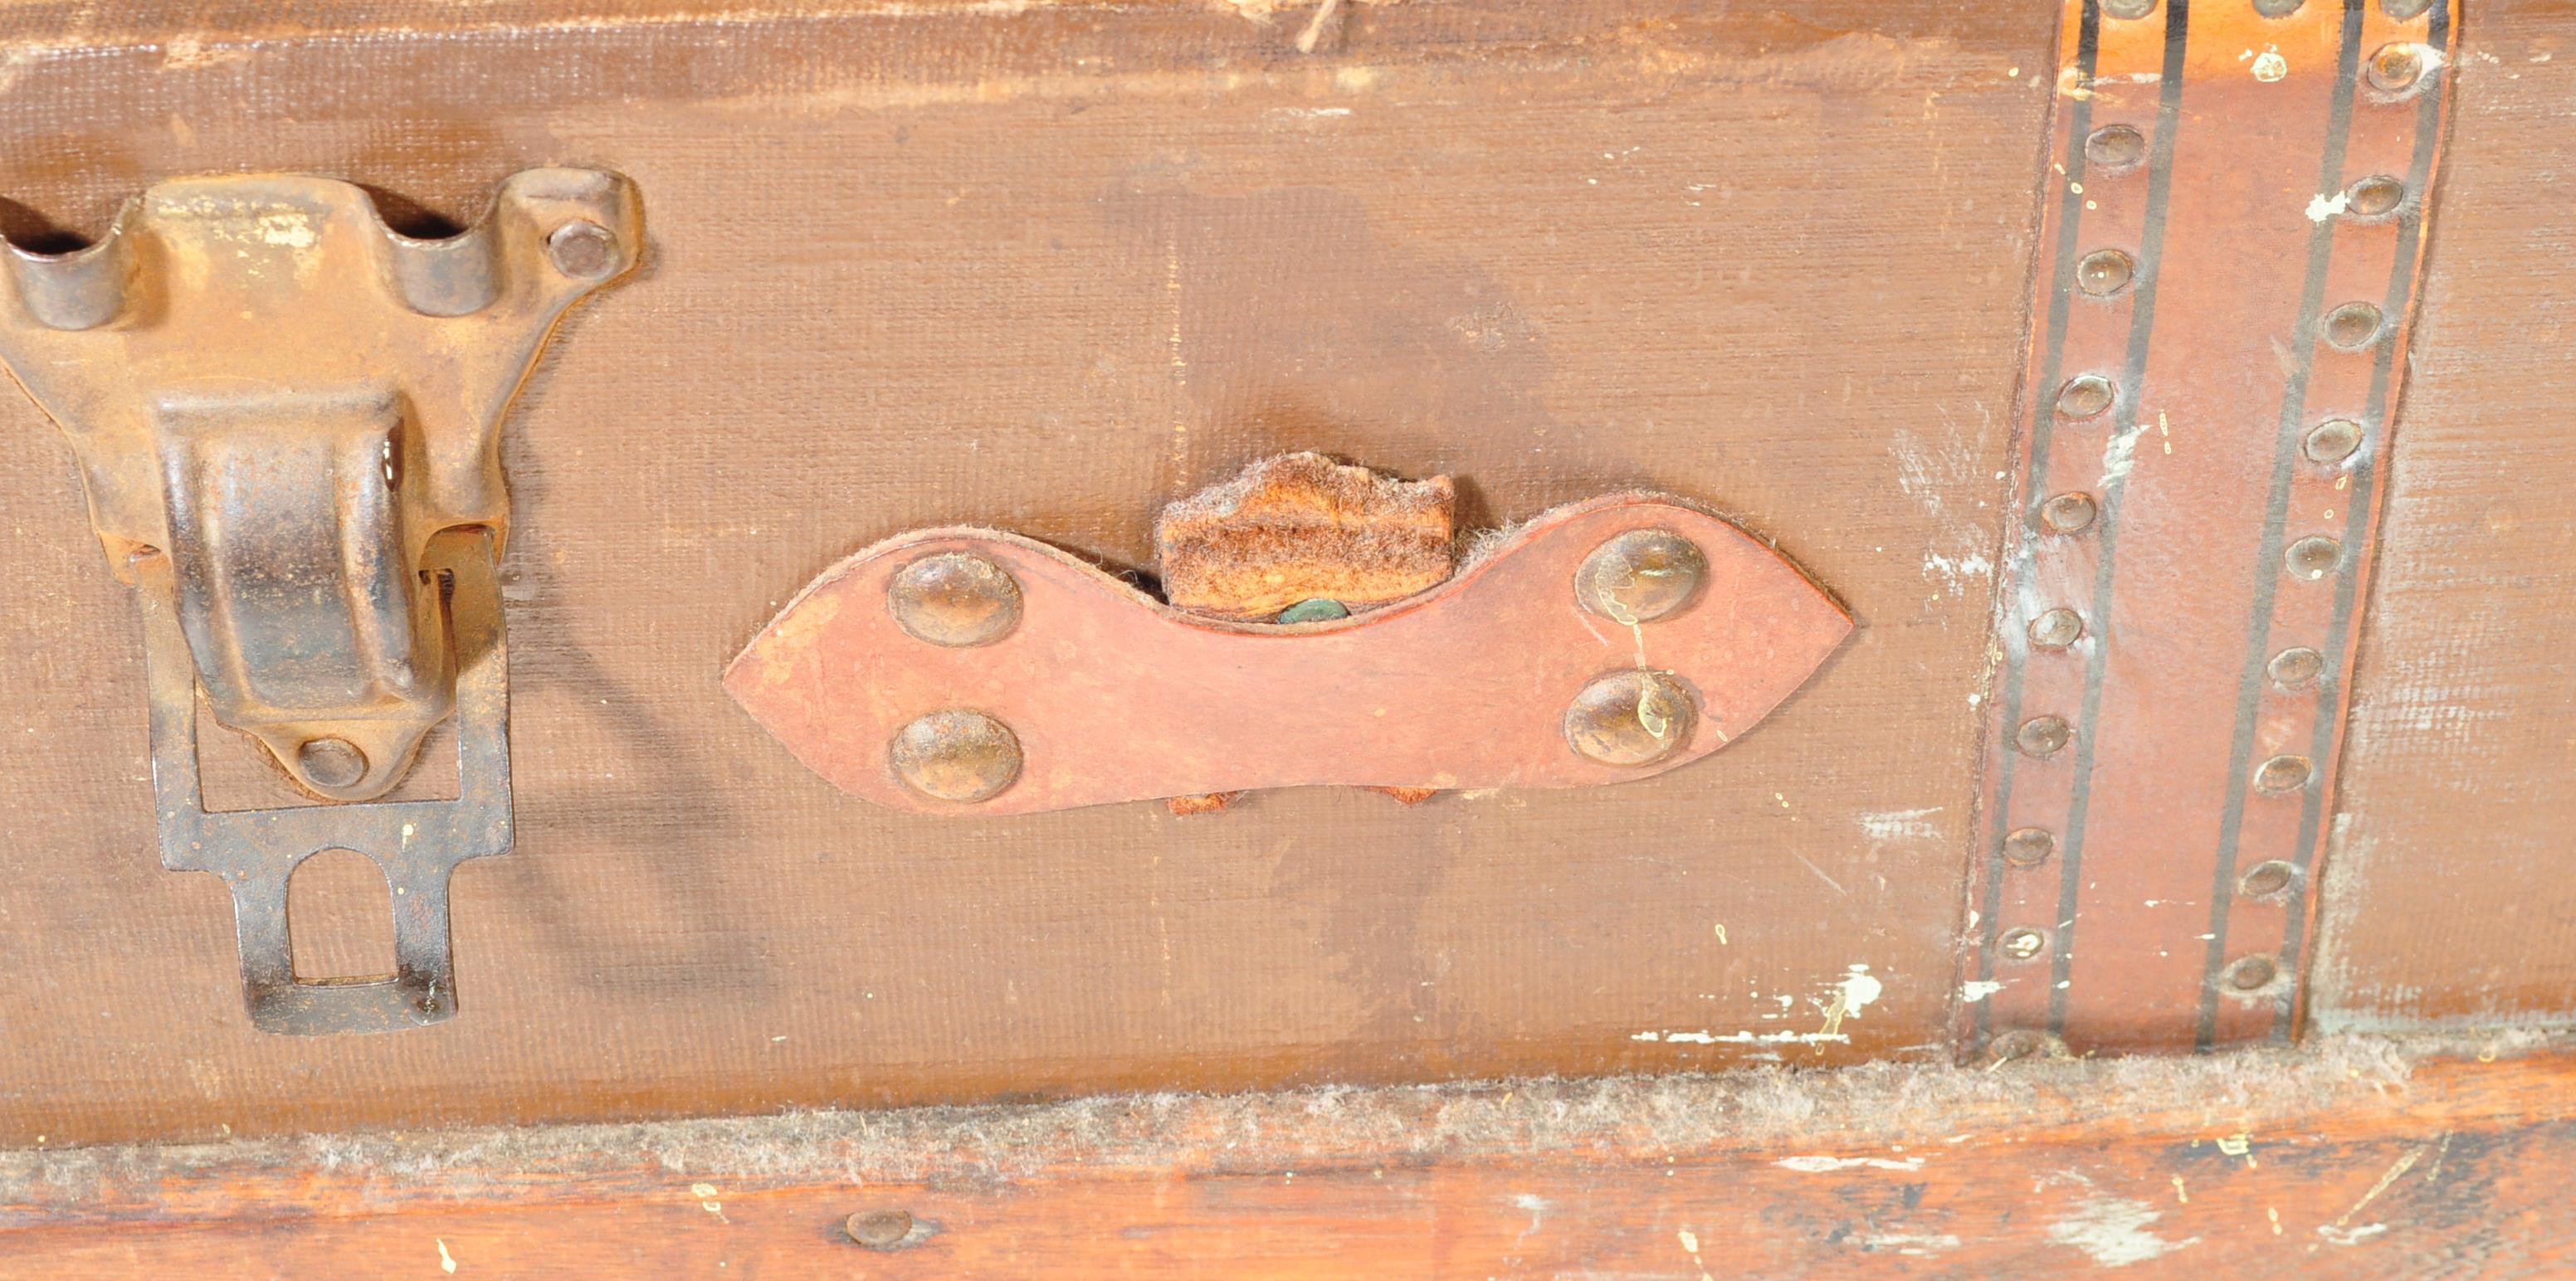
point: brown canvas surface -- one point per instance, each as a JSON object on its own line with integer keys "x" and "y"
{"x": 1047, "y": 268}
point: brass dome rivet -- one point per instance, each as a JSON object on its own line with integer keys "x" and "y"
{"x": 1629, "y": 718}
{"x": 2277, "y": 8}
{"x": 2395, "y": 68}
{"x": 1640, "y": 576}
{"x": 2022, "y": 944}
{"x": 957, "y": 756}
{"x": 2105, "y": 272}
{"x": 2029, "y": 846}
{"x": 878, "y": 1229}
{"x": 2115, "y": 147}
{"x": 2042, "y": 736}
{"x": 2266, "y": 879}
{"x": 2283, "y": 774}
{"x": 2068, "y": 513}
{"x": 2374, "y": 196}
{"x": 2332, "y": 441}
{"x": 2128, "y": 8}
{"x": 955, "y": 599}
{"x": 2084, "y": 396}
{"x": 2296, "y": 666}
{"x": 2252, "y": 973}
{"x": 2353, "y": 326}
{"x": 2313, "y": 557}
{"x": 2056, "y": 628}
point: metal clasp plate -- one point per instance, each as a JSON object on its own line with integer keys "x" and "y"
{"x": 287, "y": 419}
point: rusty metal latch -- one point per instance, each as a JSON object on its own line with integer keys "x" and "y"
{"x": 287, "y": 421}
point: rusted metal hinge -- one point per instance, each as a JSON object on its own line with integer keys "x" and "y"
{"x": 287, "y": 420}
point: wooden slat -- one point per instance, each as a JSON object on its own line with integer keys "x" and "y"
{"x": 2359, "y": 1158}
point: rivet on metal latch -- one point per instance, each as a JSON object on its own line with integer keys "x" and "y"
{"x": 2029, "y": 846}
{"x": 1629, "y": 718}
{"x": 583, "y": 250}
{"x": 332, "y": 762}
{"x": 957, "y": 756}
{"x": 956, "y": 599}
{"x": 1640, "y": 576}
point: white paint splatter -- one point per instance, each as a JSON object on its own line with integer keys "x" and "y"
{"x": 1900, "y": 825}
{"x": 1975, "y": 990}
{"x": 1924, "y": 470}
{"x": 2112, "y": 1231}
{"x": 1859, "y": 989}
{"x": 446, "y": 1261}
{"x": 2119, "y": 452}
{"x": 1828, "y": 1164}
{"x": 1742, "y": 1038}
{"x": 2270, "y": 67}
{"x": 2321, "y": 208}
{"x": 2339, "y": 1235}
{"x": 1913, "y": 1243}
{"x": 1537, "y": 1206}
{"x": 1690, "y": 1243}
{"x": 1957, "y": 573}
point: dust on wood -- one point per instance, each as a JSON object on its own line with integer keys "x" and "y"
{"x": 1624, "y": 1118}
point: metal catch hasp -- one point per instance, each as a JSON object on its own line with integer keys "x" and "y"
{"x": 287, "y": 420}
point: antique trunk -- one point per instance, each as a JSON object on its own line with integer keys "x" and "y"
{"x": 1313, "y": 612}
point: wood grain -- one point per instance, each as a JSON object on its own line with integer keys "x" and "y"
{"x": 2360, "y": 1159}
{"x": 1048, "y": 269}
